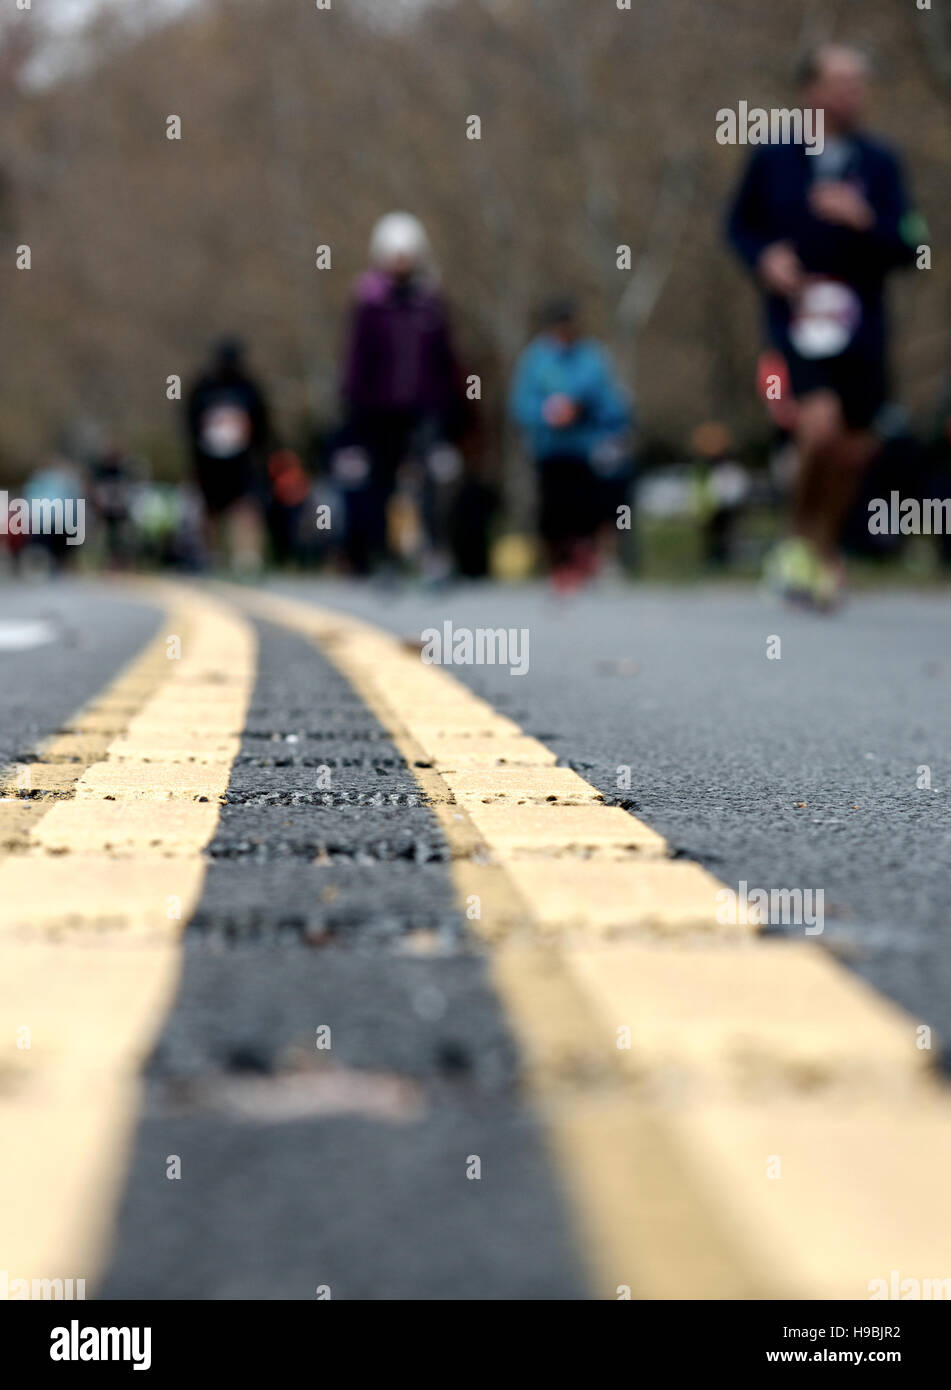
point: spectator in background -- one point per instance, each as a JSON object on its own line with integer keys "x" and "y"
{"x": 289, "y": 488}
{"x": 228, "y": 429}
{"x": 401, "y": 387}
{"x": 821, "y": 231}
{"x": 113, "y": 480}
{"x": 721, "y": 487}
{"x": 58, "y": 482}
{"x": 576, "y": 418}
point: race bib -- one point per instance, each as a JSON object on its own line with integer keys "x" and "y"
{"x": 825, "y": 319}
{"x": 351, "y": 467}
{"x": 225, "y": 431}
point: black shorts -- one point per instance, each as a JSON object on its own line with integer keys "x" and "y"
{"x": 571, "y": 499}
{"x": 223, "y": 482}
{"x": 859, "y": 379}
{"x": 615, "y": 492}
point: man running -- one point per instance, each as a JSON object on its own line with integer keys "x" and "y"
{"x": 821, "y": 230}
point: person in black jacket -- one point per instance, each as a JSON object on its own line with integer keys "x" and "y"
{"x": 821, "y": 230}
{"x": 228, "y": 429}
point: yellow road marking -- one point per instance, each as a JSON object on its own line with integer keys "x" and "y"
{"x": 673, "y": 1059}
{"x": 796, "y": 1022}
{"x": 163, "y": 828}
{"x": 65, "y": 757}
{"x": 94, "y": 894}
{"x": 574, "y": 829}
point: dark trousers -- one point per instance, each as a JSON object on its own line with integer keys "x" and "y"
{"x": 388, "y": 437}
{"x": 570, "y": 500}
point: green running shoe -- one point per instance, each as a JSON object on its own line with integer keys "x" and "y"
{"x": 828, "y": 585}
{"x": 792, "y": 569}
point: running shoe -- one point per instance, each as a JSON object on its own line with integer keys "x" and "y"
{"x": 791, "y": 569}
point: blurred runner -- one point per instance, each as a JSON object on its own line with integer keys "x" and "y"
{"x": 114, "y": 478}
{"x": 289, "y": 489}
{"x": 168, "y": 522}
{"x": 721, "y": 488}
{"x": 400, "y": 390}
{"x": 57, "y": 481}
{"x": 228, "y": 429}
{"x": 821, "y": 232}
{"x": 576, "y": 417}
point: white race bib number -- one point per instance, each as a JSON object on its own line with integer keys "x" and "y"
{"x": 825, "y": 319}
{"x": 225, "y": 431}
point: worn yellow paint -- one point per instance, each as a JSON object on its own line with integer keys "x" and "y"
{"x": 751, "y": 1018}
{"x": 558, "y": 829}
{"x": 94, "y": 893}
{"x": 671, "y": 1057}
{"x": 136, "y": 827}
{"x": 149, "y": 745}
{"x": 449, "y": 751}
{"x": 862, "y": 1189}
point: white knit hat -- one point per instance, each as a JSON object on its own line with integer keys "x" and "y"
{"x": 400, "y": 234}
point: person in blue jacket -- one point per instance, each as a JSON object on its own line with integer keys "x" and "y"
{"x": 821, "y": 229}
{"x": 576, "y": 418}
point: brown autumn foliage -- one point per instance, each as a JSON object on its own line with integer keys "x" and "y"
{"x": 301, "y": 125}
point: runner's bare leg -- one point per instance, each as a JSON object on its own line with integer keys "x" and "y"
{"x": 832, "y": 458}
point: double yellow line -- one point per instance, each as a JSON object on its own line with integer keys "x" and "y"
{"x": 731, "y": 1116}
{"x": 734, "y": 1116}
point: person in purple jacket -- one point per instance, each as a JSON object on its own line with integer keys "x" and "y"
{"x": 401, "y": 381}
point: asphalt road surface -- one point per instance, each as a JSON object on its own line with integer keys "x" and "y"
{"x": 800, "y": 771}
{"x": 823, "y": 763}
